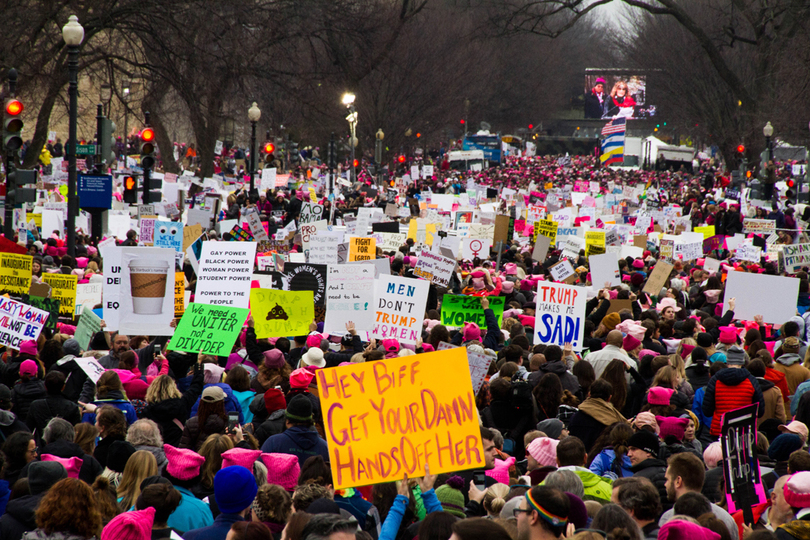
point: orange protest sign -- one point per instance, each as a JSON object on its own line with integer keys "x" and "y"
{"x": 362, "y": 248}
{"x": 385, "y": 419}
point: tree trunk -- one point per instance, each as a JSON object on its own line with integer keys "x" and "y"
{"x": 43, "y": 121}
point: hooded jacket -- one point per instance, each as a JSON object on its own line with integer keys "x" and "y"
{"x": 569, "y": 382}
{"x": 593, "y": 416}
{"x": 171, "y": 414}
{"x": 795, "y": 372}
{"x": 24, "y": 393}
{"x": 298, "y": 441}
{"x": 117, "y": 400}
{"x": 654, "y": 470}
{"x": 596, "y": 487}
{"x": 774, "y": 404}
{"x": 20, "y": 517}
{"x": 272, "y": 426}
{"x": 9, "y": 423}
{"x": 43, "y": 410}
{"x": 729, "y": 389}
{"x": 231, "y": 401}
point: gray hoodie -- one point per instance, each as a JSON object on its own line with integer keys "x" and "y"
{"x": 788, "y": 359}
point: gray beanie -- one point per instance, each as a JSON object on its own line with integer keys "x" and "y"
{"x": 42, "y": 475}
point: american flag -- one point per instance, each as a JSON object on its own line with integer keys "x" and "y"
{"x": 617, "y": 125}
{"x": 613, "y": 143}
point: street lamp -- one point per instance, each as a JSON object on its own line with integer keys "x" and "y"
{"x": 254, "y": 113}
{"x": 378, "y": 154}
{"x": 73, "y": 34}
{"x": 348, "y": 100}
{"x": 768, "y": 132}
{"x": 106, "y": 96}
{"x": 125, "y": 95}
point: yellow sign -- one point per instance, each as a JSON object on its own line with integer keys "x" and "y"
{"x": 362, "y": 249}
{"x": 545, "y": 227}
{"x": 63, "y": 288}
{"x": 36, "y": 217}
{"x": 179, "y": 294}
{"x": 312, "y": 196}
{"x": 385, "y": 419}
{"x": 594, "y": 243}
{"x": 417, "y": 228}
{"x": 15, "y": 273}
{"x": 282, "y": 313}
{"x": 190, "y": 235}
{"x": 707, "y": 230}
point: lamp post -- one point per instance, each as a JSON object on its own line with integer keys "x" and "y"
{"x": 106, "y": 96}
{"x": 378, "y": 154}
{"x": 768, "y": 132}
{"x": 125, "y": 95}
{"x": 254, "y": 113}
{"x": 348, "y": 100}
{"x": 73, "y": 34}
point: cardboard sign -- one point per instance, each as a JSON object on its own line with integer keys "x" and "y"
{"x": 169, "y": 234}
{"x": 349, "y": 297}
{"x": 782, "y": 293}
{"x": 281, "y": 313}
{"x": 748, "y": 252}
{"x": 437, "y": 426}
{"x": 738, "y": 440}
{"x": 87, "y": 295}
{"x": 460, "y": 309}
{"x": 15, "y": 273}
{"x": 89, "y": 324}
{"x": 147, "y": 231}
{"x": 658, "y": 278}
{"x": 594, "y": 243}
{"x": 541, "y": 247}
{"x": 91, "y": 367}
{"x": 224, "y": 276}
{"x": 435, "y": 268}
{"x": 302, "y": 277}
{"x": 48, "y": 305}
{"x": 256, "y": 226}
{"x": 795, "y": 256}
{"x": 399, "y": 308}
{"x": 63, "y": 288}
{"x": 392, "y": 241}
{"x": 640, "y": 241}
{"x": 711, "y": 265}
{"x": 362, "y": 249}
{"x": 764, "y": 227}
{"x": 479, "y": 367}
{"x": 310, "y": 213}
{"x": 208, "y": 329}
{"x": 545, "y": 227}
{"x": 323, "y": 247}
{"x": 706, "y": 230}
{"x": 472, "y": 248}
{"x": 139, "y": 290}
{"x": 19, "y": 322}
{"x": 560, "y": 315}
{"x": 190, "y": 234}
{"x": 618, "y": 305}
{"x": 563, "y": 272}
{"x": 502, "y": 229}
{"x": 179, "y": 294}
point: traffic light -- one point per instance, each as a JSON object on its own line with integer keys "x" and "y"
{"x": 462, "y": 121}
{"x": 791, "y": 183}
{"x": 269, "y": 148}
{"x": 147, "y": 148}
{"x": 294, "y": 155}
{"x": 531, "y": 126}
{"x": 741, "y": 149}
{"x": 16, "y": 194}
{"x": 401, "y": 159}
{"x": 107, "y": 140}
{"x": 12, "y": 125}
{"x": 130, "y": 190}
{"x": 356, "y": 163}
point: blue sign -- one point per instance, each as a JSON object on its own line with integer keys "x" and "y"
{"x": 95, "y": 190}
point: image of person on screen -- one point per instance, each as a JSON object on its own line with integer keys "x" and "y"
{"x": 620, "y": 103}
{"x": 595, "y": 100}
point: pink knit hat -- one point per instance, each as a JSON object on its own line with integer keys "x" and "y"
{"x": 472, "y": 332}
{"x": 183, "y": 464}
{"x": 282, "y": 470}
{"x": 314, "y": 340}
{"x": 646, "y": 419}
{"x": 500, "y": 473}
{"x": 507, "y": 286}
{"x": 544, "y": 451}
{"x": 300, "y": 378}
{"x": 728, "y": 335}
{"x": 28, "y": 367}
{"x": 240, "y": 456}
{"x": 658, "y": 395}
{"x": 630, "y": 343}
{"x": 672, "y": 426}
{"x": 135, "y": 525}
{"x": 212, "y": 373}
{"x": 274, "y": 358}
{"x": 72, "y": 465}
{"x": 797, "y": 490}
{"x": 712, "y": 455}
{"x": 28, "y": 347}
{"x": 678, "y": 529}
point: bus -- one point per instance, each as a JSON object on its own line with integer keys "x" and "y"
{"x": 488, "y": 142}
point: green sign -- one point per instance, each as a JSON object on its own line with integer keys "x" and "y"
{"x": 457, "y": 310}
{"x": 85, "y": 149}
{"x": 89, "y": 324}
{"x": 208, "y": 329}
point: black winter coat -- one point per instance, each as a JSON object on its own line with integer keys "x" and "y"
{"x": 43, "y": 410}
{"x": 75, "y": 376}
{"x": 586, "y": 428}
{"x": 272, "y": 426}
{"x": 20, "y": 517}
{"x": 164, "y": 413}
{"x": 655, "y": 471}
{"x": 24, "y": 393}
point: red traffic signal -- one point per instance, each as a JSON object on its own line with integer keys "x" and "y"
{"x": 531, "y": 126}
{"x": 741, "y": 149}
{"x": 130, "y": 183}
{"x": 462, "y": 120}
{"x": 14, "y": 107}
{"x": 148, "y": 135}
{"x": 790, "y": 183}
{"x": 269, "y": 148}
{"x": 401, "y": 159}
{"x": 356, "y": 163}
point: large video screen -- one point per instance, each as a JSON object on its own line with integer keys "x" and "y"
{"x": 612, "y": 93}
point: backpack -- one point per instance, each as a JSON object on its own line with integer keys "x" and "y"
{"x": 522, "y": 397}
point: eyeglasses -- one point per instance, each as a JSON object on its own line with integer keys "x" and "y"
{"x": 526, "y": 511}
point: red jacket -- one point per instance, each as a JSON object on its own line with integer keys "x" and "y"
{"x": 730, "y": 389}
{"x": 778, "y": 379}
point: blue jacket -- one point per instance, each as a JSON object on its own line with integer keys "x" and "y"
{"x": 393, "y": 519}
{"x": 298, "y": 441}
{"x": 231, "y": 403}
{"x": 603, "y": 465}
{"x": 217, "y": 531}
{"x": 124, "y": 405}
{"x": 697, "y": 408}
{"x": 244, "y": 399}
{"x": 191, "y": 513}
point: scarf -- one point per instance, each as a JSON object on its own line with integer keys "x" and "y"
{"x": 601, "y": 411}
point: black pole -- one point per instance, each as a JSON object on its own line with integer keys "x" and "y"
{"x": 73, "y": 113}
{"x": 252, "y": 153}
{"x": 99, "y": 165}
{"x": 147, "y": 171}
{"x": 8, "y": 156}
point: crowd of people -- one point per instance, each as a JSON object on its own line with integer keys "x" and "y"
{"x": 617, "y": 442}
